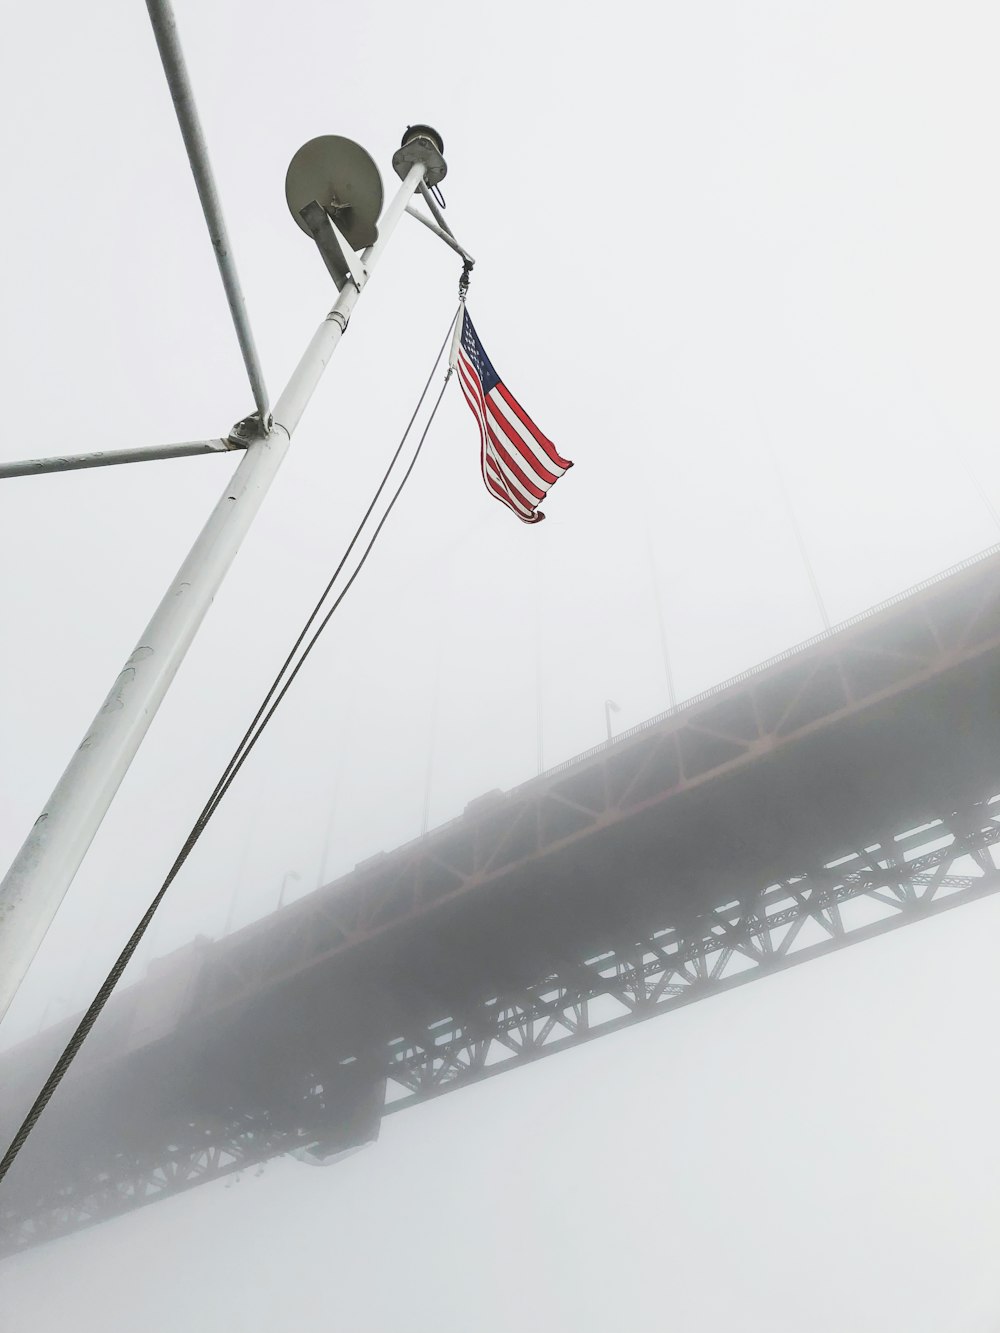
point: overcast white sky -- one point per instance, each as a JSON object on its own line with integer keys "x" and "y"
{"x": 711, "y": 238}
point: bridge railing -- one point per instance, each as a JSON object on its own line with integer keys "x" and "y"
{"x": 982, "y": 557}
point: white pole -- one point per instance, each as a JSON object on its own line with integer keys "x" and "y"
{"x": 148, "y": 453}
{"x": 161, "y": 15}
{"x": 43, "y": 870}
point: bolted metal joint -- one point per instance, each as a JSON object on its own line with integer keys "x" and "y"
{"x": 246, "y": 431}
{"x": 421, "y": 144}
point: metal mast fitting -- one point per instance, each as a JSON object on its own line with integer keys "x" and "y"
{"x": 424, "y": 145}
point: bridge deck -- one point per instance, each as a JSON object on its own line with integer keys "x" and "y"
{"x": 688, "y": 855}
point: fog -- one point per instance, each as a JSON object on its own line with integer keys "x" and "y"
{"x": 739, "y": 262}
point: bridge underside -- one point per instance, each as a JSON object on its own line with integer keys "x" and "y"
{"x": 847, "y": 789}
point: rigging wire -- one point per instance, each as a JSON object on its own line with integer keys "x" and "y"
{"x": 654, "y": 578}
{"x": 800, "y": 542}
{"x": 790, "y": 513}
{"x": 265, "y": 712}
{"x": 336, "y": 574}
{"x": 977, "y": 486}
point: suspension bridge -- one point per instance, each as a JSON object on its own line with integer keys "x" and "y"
{"x": 841, "y": 790}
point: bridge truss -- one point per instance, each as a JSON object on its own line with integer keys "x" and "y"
{"x": 907, "y": 877}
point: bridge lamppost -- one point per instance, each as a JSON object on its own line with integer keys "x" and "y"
{"x": 292, "y": 874}
{"x": 610, "y": 707}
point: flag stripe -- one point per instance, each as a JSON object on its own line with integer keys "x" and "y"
{"x": 503, "y": 411}
{"x": 497, "y": 487}
{"x": 526, "y": 448}
{"x": 511, "y": 481}
{"x": 543, "y": 440}
{"x": 473, "y": 404}
{"x": 523, "y": 481}
{"x": 495, "y": 481}
{"x": 532, "y": 491}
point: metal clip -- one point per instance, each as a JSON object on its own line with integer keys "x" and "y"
{"x": 463, "y": 282}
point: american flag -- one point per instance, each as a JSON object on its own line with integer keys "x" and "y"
{"x": 518, "y": 462}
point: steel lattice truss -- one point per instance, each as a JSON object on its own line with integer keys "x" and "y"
{"x": 127, "y": 1181}
{"x": 197, "y": 1151}
{"x": 907, "y": 878}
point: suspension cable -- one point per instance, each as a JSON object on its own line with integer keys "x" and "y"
{"x": 265, "y": 712}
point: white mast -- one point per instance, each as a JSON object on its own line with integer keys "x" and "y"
{"x": 40, "y": 875}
